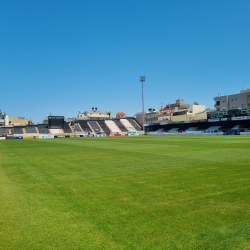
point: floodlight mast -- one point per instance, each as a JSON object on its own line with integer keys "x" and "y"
{"x": 142, "y": 80}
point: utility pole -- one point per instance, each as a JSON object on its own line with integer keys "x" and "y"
{"x": 142, "y": 80}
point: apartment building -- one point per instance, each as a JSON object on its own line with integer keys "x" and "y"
{"x": 235, "y": 101}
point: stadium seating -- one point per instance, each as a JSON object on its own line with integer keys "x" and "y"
{"x": 85, "y": 126}
{"x": 112, "y": 126}
{"x": 76, "y": 128}
{"x": 104, "y": 126}
{"x": 135, "y": 124}
{"x": 120, "y": 125}
{"x": 18, "y": 130}
{"x": 191, "y": 129}
{"x": 30, "y": 129}
{"x": 173, "y": 129}
{"x": 43, "y": 128}
{"x": 236, "y": 127}
{"x": 212, "y": 129}
{"x": 128, "y": 125}
{"x": 95, "y": 127}
{"x": 159, "y": 130}
{"x": 4, "y": 131}
{"x": 67, "y": 128}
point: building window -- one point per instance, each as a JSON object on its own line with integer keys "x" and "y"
{"x": 223, "y": 100}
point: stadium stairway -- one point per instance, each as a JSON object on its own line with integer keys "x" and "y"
{"x": 173, "y": 129}
{"x": 213, "y": 128}
{"x": 5, "y": 131}
{"x": 67, "y": 128}
{"x": 76, "y": 128}
{"x": 104, "y": 127}
{"x": 135, "y": 124}
{"x": 84, "y": 125}
{"x": 18, "y": 130}
{"x": 159, "y": 130}
{"x": 43, "y": 129}
{"x": 120, "y": 125}
{"x": 95, "y": 127}
{"x": 236, "y": 127}
{"x": 112, "y": 126}
{"x": 128, "y": 125}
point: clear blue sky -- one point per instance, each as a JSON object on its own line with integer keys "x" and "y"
{"x": 62, "y": 57}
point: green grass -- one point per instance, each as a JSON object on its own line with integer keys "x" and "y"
{"x": 152, "y": 192}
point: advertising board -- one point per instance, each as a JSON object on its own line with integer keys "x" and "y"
{"x": 214, "y": 120}
{"x": 238, "y": 118}
{"x": 46, "y": 136}
{"x": 30, "y": 137}
{"x": 231, "y": 133}
{"x": 133, "y": 133}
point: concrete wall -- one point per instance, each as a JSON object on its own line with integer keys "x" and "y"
{"x": 179, "y": 118}
{"x": 196, "y": 108}
{"x": 19, "y": 121}
{"x": 6, "y": 120}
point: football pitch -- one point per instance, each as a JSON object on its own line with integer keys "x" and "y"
{"x": 145, "y": 192}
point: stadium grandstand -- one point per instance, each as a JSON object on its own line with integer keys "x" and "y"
{"x": 219, "y": 121}
{"x": 128, "y": 125}
{"x": 109, "y": 126}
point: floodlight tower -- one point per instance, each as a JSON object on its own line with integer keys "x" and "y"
{"x": 142, "y": 80}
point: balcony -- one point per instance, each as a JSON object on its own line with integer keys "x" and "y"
{"x": 217, "y": 104}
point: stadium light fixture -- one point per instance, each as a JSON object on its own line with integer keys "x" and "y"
{"x": 142, "y": 80}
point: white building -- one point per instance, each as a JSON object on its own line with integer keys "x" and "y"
{"x": 236, "y": 101}
{"x": 94, "y": 115}
{"x": 4, "y": 119}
